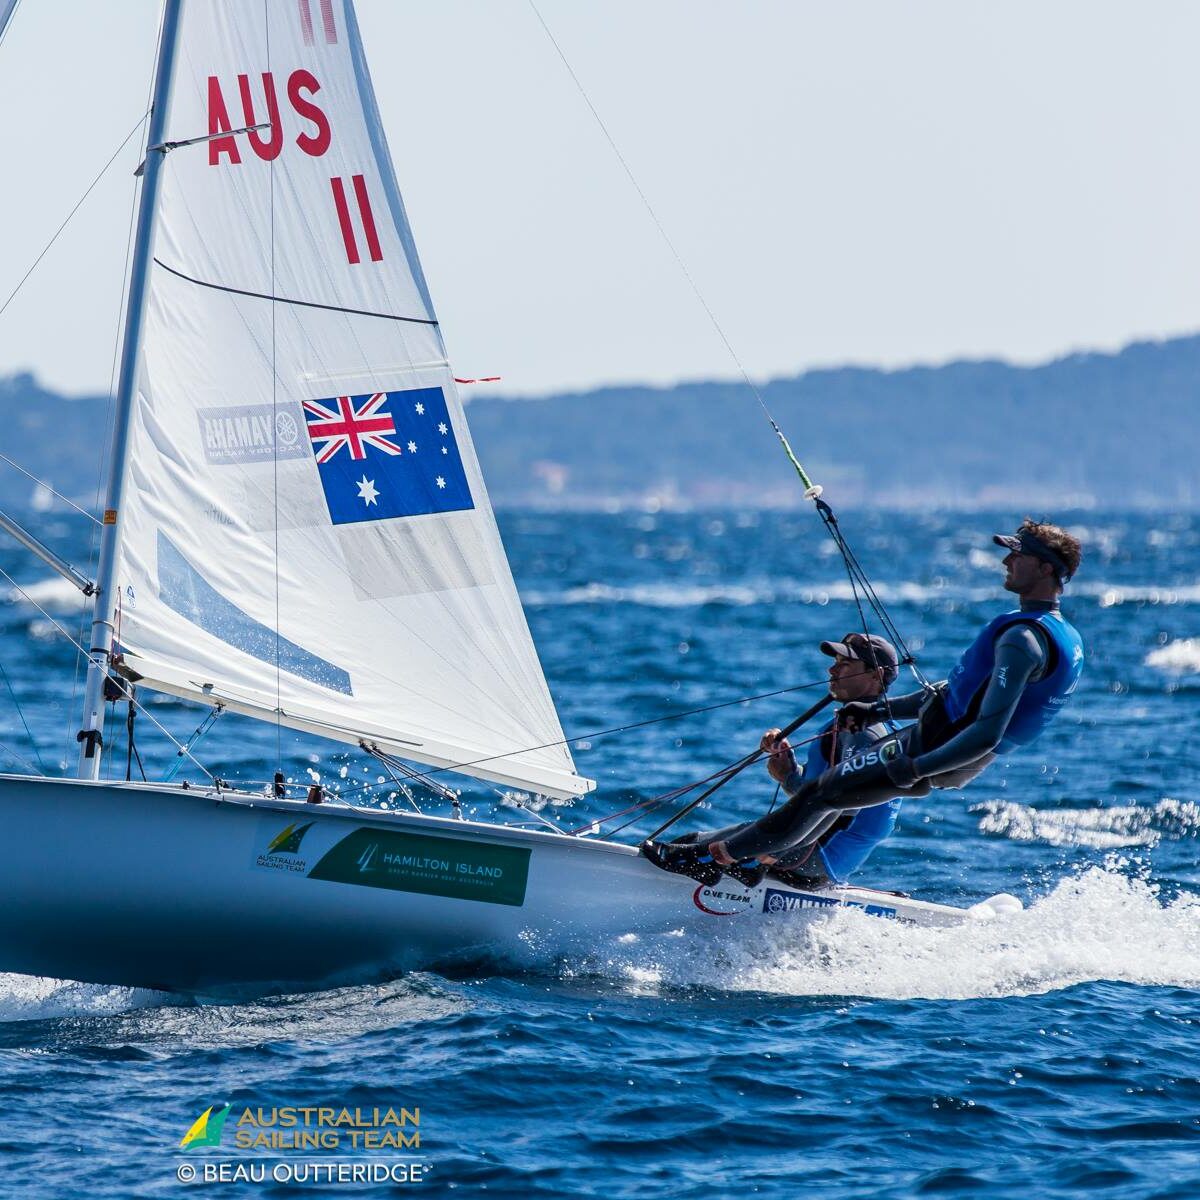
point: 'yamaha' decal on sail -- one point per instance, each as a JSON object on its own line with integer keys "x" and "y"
{"x": 387, "y": 454}
{"x": 778, "y": 902}
{"x": 409, "y": 862}
{"x": 250, "y": 433}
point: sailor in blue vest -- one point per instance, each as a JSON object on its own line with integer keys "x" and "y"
{"x": 862, "y": 670}
{"x": 1006, "y": 688}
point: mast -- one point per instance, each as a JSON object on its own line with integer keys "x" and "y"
{"x": 104, "y": 612}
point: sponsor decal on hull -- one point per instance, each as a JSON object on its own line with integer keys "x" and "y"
{"x": 718, "y": 901}
{"x": 431, "y": 866}
{"x": 282, "y": 851}
{"x": 782, "y": 902}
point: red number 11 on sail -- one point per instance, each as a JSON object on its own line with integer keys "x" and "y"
{"x": 346, "y": 221}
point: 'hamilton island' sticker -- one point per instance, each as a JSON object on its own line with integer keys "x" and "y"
{"x": 778, "y": 902}
{"x": 408, "y": 862}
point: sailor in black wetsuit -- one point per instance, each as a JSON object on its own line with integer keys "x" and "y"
{"x": 863, "y": 668}
{"x": 1005, "y": 690}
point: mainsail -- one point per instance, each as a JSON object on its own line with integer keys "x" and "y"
{"x": 306, "y": 535}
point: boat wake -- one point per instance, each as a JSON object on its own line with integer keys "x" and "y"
{"x": 66, "y": 1014}
{"x": 1100, "y": 925}
{"x": 27, "y": 998}
{"x": 1109, "y": 828}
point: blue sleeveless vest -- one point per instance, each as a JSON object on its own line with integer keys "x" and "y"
{"x": 1041, "y": 699}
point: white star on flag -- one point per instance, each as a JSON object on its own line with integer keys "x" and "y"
{"x": 420, "y": 409}
{"x": 412, "y": 447}
{"x": 444, "y": 450}
{"x": 367, "y": 491}
{"x": 442, "y": 427}
{"x": 440, "y": 482}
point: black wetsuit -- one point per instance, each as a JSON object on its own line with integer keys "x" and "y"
{"x": 945, "y": 753}
{"x": 848, "y": 841}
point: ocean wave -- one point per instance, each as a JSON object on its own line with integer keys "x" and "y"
{"x": 1099, "y": 828}
{"x": 55, "y": 593}
{"x": 696, "y": 595}
{"x": 30, "y": 998}
{"x": 763, "y": 591}
{"x": 58, "y": 595}
{"x": 1100, "y": 925}
{"x": 96, "y": 1014}
{"x": 1181, "y": 657}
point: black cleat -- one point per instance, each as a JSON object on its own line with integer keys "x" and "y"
{"x": 693, "y": 861}
{"x": 744, "y": 873}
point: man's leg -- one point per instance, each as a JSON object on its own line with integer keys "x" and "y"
{"x": 816, "y": 806}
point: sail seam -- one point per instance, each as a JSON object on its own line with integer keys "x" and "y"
{"x": 357, "y": 312}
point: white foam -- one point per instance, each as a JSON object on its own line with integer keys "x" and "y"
{"x": 1102, "y": 925}
{"x": 53, "y": 593}
{"x": 122, "y": 1016}
{"x": 783, "y": 591}
{"x": 1116, "y": 827}
{"x": 691, "y": 595}
{"x": 1181, "y": 657}
{"x": 29, "y": 998}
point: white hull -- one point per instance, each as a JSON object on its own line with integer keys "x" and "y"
{"x": 179, "y": 889}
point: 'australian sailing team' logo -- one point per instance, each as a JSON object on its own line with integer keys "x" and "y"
{"x": 281, "y": 849}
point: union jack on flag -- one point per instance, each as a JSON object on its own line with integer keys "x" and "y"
{"x": 387, "y": 454}
{"x": 350, "y": 426}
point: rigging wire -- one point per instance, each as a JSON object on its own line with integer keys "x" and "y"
{"x": 22, "y": 760}
{"x": 616, "y": 729}
{"x": 811, "y": 490}
{"x": 200, "y": 731}
{"x": 42, "y": 483}
{"x": 79, "y": 646}
{"x": 78, "y": 204}
{"x": 644, "y": 807}
{"x": 17, "y": 705}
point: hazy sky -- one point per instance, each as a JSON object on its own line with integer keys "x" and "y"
{"x": 877, "y": 183}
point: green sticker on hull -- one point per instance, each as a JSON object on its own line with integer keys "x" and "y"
{"x": 409, "y": 862}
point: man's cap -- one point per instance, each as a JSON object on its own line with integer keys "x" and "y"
{"x": 870, "y": 649}
{"x": 1024, "y": 542}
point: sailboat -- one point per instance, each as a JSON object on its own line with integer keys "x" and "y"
{"x": 296, "y": 529}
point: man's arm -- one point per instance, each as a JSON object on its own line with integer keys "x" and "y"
{"x": 1020, "y": 652}
{"x": 900, "y": 707}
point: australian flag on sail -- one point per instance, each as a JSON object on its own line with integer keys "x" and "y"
{"x": 385, "y": 455}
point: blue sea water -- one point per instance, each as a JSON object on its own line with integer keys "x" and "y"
{"x": 1052, "y": 1053}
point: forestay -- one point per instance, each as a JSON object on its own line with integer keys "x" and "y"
{"x": 306, "y": 531}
